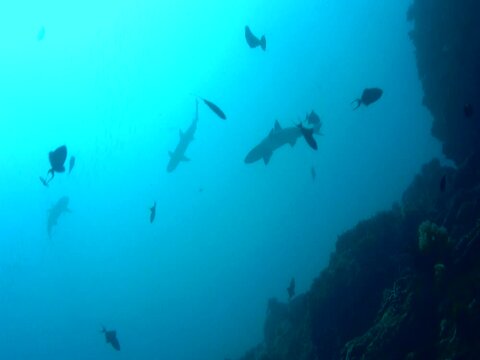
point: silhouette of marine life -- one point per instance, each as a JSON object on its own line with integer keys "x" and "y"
{"x": 215, "y": 109}
{"x": 111, "y": 338}
{"x": 468, "y": 110}
{"x": 178, "y": 155}
{"x": 443, "y": 183}
{"x": 313, "y": 173}
{"x": 153, "y": 211}
{"x": 55, "y": 212}
{"x": 277, "y": 137}
{"x": 308, "y": 136}
{"x": 57, "y": 162}
{"x": 369, "y": 96}
{"x": 71, "y": 164}
{"x": 291, "y": 289}
{"x": 253, "y": 41}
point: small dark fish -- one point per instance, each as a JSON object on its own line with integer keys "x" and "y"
{"x": 468, "y": 110}
{"x": 57, "y": 162}
{"x": 153, "y": 211}
{"x": 215, "y": 109}
{"x": 253, "y": 41}
{"x": 369, "y": 96}
{"x": 313, "y": 173}
{"x": 111, "y": 338}
{"x": 291, "y": 289}
{"x": 308, "y": 136}
{"x": 72, "y": 164}
{"x": 443, "y": 183}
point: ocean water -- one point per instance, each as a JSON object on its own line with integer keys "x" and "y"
{"x": 115, "y": 82}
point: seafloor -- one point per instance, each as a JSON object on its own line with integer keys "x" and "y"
{"x": 405, "y": 284}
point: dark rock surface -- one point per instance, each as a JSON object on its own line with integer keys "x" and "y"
{"x": 446, "y": 35}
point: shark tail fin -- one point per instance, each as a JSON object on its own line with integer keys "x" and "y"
{"x": 263, "y": 43}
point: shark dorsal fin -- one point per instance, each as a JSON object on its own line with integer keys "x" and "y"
{"x": 277, "y": 126}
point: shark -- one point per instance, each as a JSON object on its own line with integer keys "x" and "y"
{"x": 56, "y": 211}
{"x": 178, "y": 155}
{"x": 278, "y": 137}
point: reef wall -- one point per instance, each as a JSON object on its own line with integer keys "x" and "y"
{"x": 405, "y": 284}
{"x": 446, "y": 35}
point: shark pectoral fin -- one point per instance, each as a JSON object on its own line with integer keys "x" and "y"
{"x": 293, "y": 142}
{"x": 184, "y": 158}
{"x": 266, "y": 158}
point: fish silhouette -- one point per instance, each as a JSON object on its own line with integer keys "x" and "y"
{"x": 111, "y": 338}
{"x": 254, "y": 41}
{"x": 369, "y": 96}
{"x": 57, "y": 163}
{"x": 215, "y": 109}
{"x": 153, "y": 211}
{"x": 71, "y": 164}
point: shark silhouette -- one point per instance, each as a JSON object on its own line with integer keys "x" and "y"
{"x": 178, "y": 155}
{"x": 111, "y": 338}
{"x": 278, "y": 137}
{"x": 60, "y": 207}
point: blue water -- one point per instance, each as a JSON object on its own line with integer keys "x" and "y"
{"x": 115, "y": 81}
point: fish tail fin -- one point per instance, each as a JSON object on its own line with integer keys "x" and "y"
{"x": 263, "y": 42}
{"x": 356, "y": 104}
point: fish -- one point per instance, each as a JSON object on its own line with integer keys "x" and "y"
{"x": 72, "y": 164}
{"x": 253, "y": 41}
{"x": 369, "y": 96}
{"x": 178, "y": 155}
{"x": 277, "y": 137}
{"x": 443, "y": 183}
{"x": 308, "y": 136}
{"x": 468, "y": 110}
{"x": 313, "y": 173}
{"x": 153, "y": 211}
{"x": 111, "y": 338}
{"x": 57, "y": 163}
{"x": 60, "y": 208}
{"x": 291, "y": 289}
{"x": 215, "y": 109}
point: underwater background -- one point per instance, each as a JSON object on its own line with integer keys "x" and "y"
{"x": 115, "y": 82}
